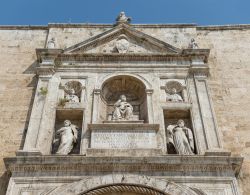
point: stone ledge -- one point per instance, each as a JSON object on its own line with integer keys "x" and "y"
{"x": 123, "y": 126}
{"x": 176, "y": 105}
{"x": 124, "y": 152}
{"x": 123, "y": 122}
{"x": 172, "y": 165}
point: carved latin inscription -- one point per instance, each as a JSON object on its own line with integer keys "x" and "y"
{"x": 109, "y": 139}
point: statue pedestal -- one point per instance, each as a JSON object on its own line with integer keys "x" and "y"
{"x": 123, "y": 136}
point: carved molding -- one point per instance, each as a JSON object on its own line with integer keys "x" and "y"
{"x": 177, "y": 164}
{"x": 123, "y": 183}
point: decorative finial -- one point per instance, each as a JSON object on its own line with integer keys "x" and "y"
{"x": 193, "y": 44}
{"x": 51, "y": 43}
{"x": 122, "y": 18}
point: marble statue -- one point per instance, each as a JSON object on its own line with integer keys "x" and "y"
{"x": 193, "y": 44}
{"x": 174, "y": 96}
{"x": 182, "y": 138}
{"x": 51, "y": 43}
{"x": 123, "y": 109}
{"x": 122, "y": 18}
{"x": 72, "y": 97}
{"x": 68, "y": 137}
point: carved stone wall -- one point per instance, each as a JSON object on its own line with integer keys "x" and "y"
{"x": 228, "y": 82}
{"x": 229, "y": 86}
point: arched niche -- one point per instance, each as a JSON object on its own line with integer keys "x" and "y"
{"x": 112, "y": 86}
{"x": 73, "y": 85}
{"x": 132, "y": 88}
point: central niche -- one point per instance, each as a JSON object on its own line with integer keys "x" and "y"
{"x": 128, "y": 90}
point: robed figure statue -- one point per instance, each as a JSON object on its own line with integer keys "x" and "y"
{"x": 68, "y": 137}
{"x": 123, "y": 109}
{"x": 182, "y": 138}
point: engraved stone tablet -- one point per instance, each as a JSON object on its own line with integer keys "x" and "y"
{"x": 123, "y": 136}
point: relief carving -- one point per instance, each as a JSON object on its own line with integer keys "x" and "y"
{"x": 122, "y": 44}
{"x": 72, "y": 91}
{"x": 173, "y": 90}
{"x": 71, "y": 96}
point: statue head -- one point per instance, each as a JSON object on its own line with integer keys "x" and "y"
{"x": 173, "y": 91}
{"x": 122, "y": 14}
{"x": 123, "y": 98}
{"x": 72, "y": 92}
{"x": 181, "y": 123}
{"x": 123, "y": 18}
{"x": 192, "y": 40}
{"x": 67, "y": 123}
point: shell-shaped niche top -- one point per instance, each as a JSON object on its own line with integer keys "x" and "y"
{"x": 173, "y": 91}
{"x": 73, "y": 91}
{"x": 122, "y": 44}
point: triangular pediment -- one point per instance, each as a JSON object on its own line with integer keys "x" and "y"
{"x": 122, "y": 39}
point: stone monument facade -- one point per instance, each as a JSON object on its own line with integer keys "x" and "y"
{"x": 123, "y": 109}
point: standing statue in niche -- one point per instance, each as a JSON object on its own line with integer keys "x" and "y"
{"x": 182, "y": 138}
{"x": 174, "y": 96}
{"x": 71, "y": 96}
{"x": 123, "y": 109}
{"x": 68, "y": 137}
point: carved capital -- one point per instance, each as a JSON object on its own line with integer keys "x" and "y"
{"x": 97, "y": 91}
{"x": 149, "y": 91}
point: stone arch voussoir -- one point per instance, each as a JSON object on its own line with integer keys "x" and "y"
{"x": 105, "y": 78}
{"x": 99, "y": 185}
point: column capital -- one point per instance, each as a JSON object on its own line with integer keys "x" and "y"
{"x": 97, "y": 91}
{"x": 149, "y": 91}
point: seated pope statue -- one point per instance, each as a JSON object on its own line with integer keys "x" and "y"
{"x": 123, "y": 109}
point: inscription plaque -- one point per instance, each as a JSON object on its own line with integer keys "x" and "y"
{"x": 110, "y": 139}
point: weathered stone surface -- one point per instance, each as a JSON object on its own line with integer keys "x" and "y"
{"x": 228, "y": 81}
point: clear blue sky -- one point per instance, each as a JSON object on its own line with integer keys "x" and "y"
{"x": 202, "y": 12}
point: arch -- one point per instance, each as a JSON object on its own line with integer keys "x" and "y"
{"x": 134, "y": 88}
{"x": 104, "y": 79}
{"x": 139, "y": 184}
{"x": 118, "y": 85}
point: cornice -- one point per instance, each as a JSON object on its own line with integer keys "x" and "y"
{"x": 224, "y": 27}
{"x": 88, "y": 25}
{"x": 23, "y": 27}
{"x": 169, "y": 164}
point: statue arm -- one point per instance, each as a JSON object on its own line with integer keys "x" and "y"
{"x": 170, "y": 129}
{"x": 60, "y": 130}
{"x": 117, "y": 104}
{"x": 131, "y": 107}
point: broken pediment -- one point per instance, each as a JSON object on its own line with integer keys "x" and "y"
{"x": 122, "y": 39}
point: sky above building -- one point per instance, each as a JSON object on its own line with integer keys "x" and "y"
{"x": 201, "y": 12}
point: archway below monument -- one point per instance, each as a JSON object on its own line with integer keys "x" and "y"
{"x": 123, "y": 89}
{"x": 124, "y": 189}
{"x": 122, "y": 193}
